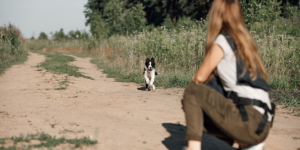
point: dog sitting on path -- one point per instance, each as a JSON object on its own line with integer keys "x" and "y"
{"x": 149, "y": 72}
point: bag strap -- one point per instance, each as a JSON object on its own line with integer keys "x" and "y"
{"x": 241, "y": 102}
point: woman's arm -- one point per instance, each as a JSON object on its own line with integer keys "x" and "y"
{"x": 210, "y": 63}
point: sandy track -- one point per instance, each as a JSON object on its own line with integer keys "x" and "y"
{"x": 119, "y": 115}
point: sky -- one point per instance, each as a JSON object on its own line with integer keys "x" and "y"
{"x": 35, "y": 16}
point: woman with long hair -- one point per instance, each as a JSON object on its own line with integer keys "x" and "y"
{"x": 243, "y": 113}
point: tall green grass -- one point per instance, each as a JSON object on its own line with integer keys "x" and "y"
{"x": 12, "y": 49}
{"x": 32, "y": 44}
{"x": 179, "y": 53}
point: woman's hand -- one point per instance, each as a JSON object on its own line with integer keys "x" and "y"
{"x": 197, "y": 77}
{"x": 194, "y": 145}
{"x": 210, "y": 63}
{"x": 241, "y": 144}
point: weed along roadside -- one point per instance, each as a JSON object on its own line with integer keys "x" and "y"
{"x": 43, "y": 140}
{"x": 58, "y": 63}
{"x": 12, "y": 47}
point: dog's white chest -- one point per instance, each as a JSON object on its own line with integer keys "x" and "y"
{"x": 149, "y": 75}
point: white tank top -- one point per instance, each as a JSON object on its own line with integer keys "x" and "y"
{"x": 228, "y": 75}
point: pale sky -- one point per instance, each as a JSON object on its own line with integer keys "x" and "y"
{"x": 34, "y": 16}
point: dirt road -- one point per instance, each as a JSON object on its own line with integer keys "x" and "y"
{"x": 119, "y": 115}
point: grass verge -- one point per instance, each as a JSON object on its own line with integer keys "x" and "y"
{"x": 58, "y": 63}
{"x": 46, "y": 140}
{"x": 12, "y": 47}
{"x": 286, "y": 98}
{"x": 12, "y": 60}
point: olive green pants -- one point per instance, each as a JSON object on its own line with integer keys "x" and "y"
{"x": 208, "y": 111}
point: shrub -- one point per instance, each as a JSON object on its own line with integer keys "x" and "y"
{"x": 43, "y": 36}
{"x": 12, "y": 48}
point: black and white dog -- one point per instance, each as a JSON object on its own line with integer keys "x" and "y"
{"x": 149, "y": 72}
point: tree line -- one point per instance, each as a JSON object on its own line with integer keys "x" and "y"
{"x": 124, "y": 17}
{"x": 60, "y": 35}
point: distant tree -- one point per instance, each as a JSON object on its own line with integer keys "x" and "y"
{"x": 84, "y": 35}
{"x": 272, "y": 8}
{"x": 78, "y": 35}
{"x": 186, "y": 22}
{"x": 113, "y": 13}
{"x": 43, "y": 35}
{"x": 32, "y": 38}
{"x": 251, "y": 10}
{"x": 108, "y": 17}
{"x": 94, "y": 17}
{"x": 195, "y": 9}
{"x": 134, "y": 19}
{"x": 98, "y": 26}
{"x": 72, "y": 34}
{"x": 168, "y": 23}
{"x": 60, "y": 35}
{"x": 157, "y": 11}
{"x": 260, "y": 11}
{"x": 290, "y": 10}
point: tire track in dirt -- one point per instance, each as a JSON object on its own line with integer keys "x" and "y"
{"x": 118, "y": 115}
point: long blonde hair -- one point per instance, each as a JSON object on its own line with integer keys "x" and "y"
{"x": 226, "y": 15}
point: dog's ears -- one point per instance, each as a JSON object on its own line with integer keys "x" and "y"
{"x": 152, "y": 59}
